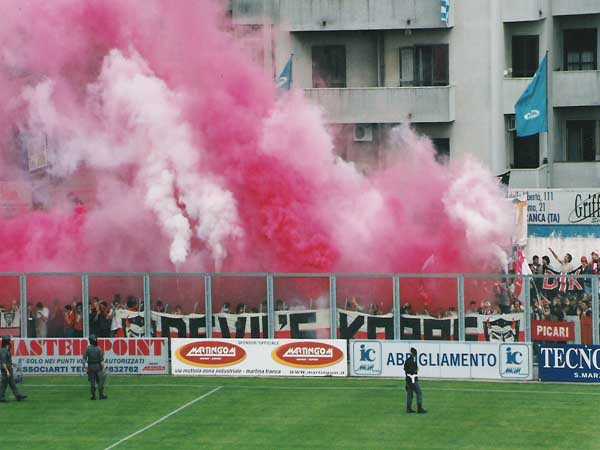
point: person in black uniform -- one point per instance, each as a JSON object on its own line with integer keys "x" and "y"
{"x": 412, "y": 383}
{"x": 94, "y": 357}
{"x": 8, "y": 378}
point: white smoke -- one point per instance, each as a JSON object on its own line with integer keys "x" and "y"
{"x": 132, "y": 118}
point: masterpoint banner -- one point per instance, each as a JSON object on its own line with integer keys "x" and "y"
{"x": 489, "y": 361}
{"x": 574, "y": 363}
{"x": 64, "y": 356}
{"x": 258, "y": 357}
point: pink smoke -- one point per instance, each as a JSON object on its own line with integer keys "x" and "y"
{"x": 195, "y": 164}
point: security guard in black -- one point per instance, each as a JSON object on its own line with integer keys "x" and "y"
{"x": 412, "y": 383}
{"x": 6, "y": 367}
{"x": 94, "y": 357}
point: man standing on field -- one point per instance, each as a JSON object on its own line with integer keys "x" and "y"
{"x": 412, "y": 383}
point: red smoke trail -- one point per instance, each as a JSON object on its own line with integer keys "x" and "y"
{"x": 197, "y": 166}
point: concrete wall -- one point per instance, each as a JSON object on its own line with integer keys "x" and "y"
{"x": 576, "y": 88}
{"x": 570, "y": 7}
{"x": 523, "y": 10}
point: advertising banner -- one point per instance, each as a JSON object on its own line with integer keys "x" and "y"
{"x": 485, "y": 361}
{"x": 572, "y": 363}
{"x": 64, "y": 356}
{"x": 258, "y": 357}
{"x": 546, "y": 331}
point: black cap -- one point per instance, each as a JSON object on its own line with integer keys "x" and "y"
{"x": 93, "y": 339}
{"x": 413, "y": 350}
{"x": 5, "y": 340}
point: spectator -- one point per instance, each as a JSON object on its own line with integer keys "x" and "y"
{"x": 406, "y": 309}
{"x": 535, "y": 265}
{"x": 78, "y": 320}
{"x": 69, "y": 320}
{"x": 565, "y": 263}
{"x": 452, "y": 312}
{"x": 41, "y": 320}
{"x": 556, "y": 311}
{"x": 280, "y": 305}
{"x": 115, "y": 324}
{"x": 595, "y": 262}
{"x": 93, "y": 315}
{"x": 240, "y": 308}
{"x": 225, "y": 308}
{"x": 159, "y": 307}
{"x": 472, "y": 307}
{"x": 103, "y": 320}
{"x": 516, "y": 307}
{"x": 178, "y": 310}
{"x": 537, "y": 312}
{"x": 586, "y": 269}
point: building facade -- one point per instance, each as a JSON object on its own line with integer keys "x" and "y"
{"x": 373, "y": 65}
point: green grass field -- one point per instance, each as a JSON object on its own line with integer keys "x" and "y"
{"x": 251, "y": 413}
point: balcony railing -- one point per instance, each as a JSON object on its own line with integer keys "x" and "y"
{"x": 575, "y": 7}
{"x": 576, "y": 88}
{"x": 386, "y": 104}
{"x": 522, "y": 10}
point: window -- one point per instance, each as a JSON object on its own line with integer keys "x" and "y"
{"x": 442, "y": 147}
{"x": 329, "y": 66}
{"x": 424, "y": 65}
{"x": 525, "y": 55}
{"x": 581, "y": 140}
{"x": 580, "y": 49}
{"x": 526, "y": 152}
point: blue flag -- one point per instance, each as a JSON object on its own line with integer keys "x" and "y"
{"x": 284, "y": 82}
{"x": 531, "y": 110}
{"x": 445, "y": 13}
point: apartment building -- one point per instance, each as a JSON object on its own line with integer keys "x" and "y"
{"x": 374, "y": 64}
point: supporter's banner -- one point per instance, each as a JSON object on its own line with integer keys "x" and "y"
{"x": 486, "y": 361}
{"x": 560, "y": 283}
{"x": 63, "y": 356}
{"x": 10, "y": 319}
{"x": 314, "y": 324}
{"x": 131, "y": 323}
{"x": 546, "y": 331}
{"x": 574, "y": 363}
{"x": 258, "y": 357}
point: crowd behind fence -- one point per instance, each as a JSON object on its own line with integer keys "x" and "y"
{"x": 297, "y": 305}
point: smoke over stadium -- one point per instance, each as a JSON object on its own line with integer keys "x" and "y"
{"x": 164, "y": 148}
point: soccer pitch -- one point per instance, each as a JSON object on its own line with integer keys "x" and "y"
{"x": 255, "y": 413}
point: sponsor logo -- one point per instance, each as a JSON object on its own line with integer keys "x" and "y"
{"x": 533, "y": 114}
{"x": 514, "y": 360}
{"x": 366, "y": 358}
{"x": 307, "y": 354}
{"x": 211, "y": 354}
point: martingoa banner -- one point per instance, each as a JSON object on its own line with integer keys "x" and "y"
{"x": 258, "y": 357}
{"x": 573, "y": 363}
{"x": 314, "y": 324}
{"x": 64, "y": 356}
{"x": 485, "y": 361}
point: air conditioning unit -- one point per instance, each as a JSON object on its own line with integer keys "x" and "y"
{"x": 512, "y": 125}
{"x": 363, "y": 133}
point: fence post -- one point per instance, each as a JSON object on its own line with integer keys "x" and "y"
{"x": 461, "y": 308}
{"x": 527, "y": 287}
{"x": 270, "y": 307}
{"x": 147, "y": 307}
{"x": 85, "y": 297}
{"x": 208, "y": 304}
{"x": 595, "y": 324}
{"x": 396, "y": 310}
{"x": 333, "y": 306}
{"x": 23, "y": 312}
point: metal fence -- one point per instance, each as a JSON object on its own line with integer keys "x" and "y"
{"x": 263, "y": 292}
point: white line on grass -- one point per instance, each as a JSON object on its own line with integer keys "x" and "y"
{"x": 333, "y": 388}
{"x": 163, "y": 418}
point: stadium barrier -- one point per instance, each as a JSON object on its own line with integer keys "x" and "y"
{"x": 63, "y": 356}
{"x": 485, "y": 361}
{"x": 259, "y": 357}
{"x": 570, "y": 363}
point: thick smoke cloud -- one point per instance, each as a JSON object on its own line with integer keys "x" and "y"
{"x": 196, "y": 164}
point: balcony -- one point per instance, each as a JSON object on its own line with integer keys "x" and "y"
{"x": 575, "y": 7}
{"x": 512, "y": 88}
{"x": 576, "y": 174}
{"x": 329, "y": 15}
{"x": 522, "y": 10}
{"x": 528, "y": 178}
{"x": 576, "y": 88}
{"x": 385, "y": 104}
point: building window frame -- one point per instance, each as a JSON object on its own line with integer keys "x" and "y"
{"x": 525, "y": 55}
{"x": 581, "y": 130}
{"x": 329, "y": 66}
{"x": 580, "y": 49}
{"x": 425, "y": 65}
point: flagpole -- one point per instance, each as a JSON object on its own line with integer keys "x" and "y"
{"x": 549, "y": 157}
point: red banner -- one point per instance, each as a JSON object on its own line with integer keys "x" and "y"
{"x": 553, "y": 331}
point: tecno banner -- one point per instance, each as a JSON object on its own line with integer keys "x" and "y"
{"x": 574, "y": 363}
{"x": 64, "y": 356}
{"x": 259, "y": 357}
{"x": 546, "y": 331}
{"x": 489, "y": 361}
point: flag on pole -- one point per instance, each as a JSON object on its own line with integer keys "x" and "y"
{"x": 445, "y": 11}
{"x": 531, "y": 110}
{"x": 284, "y": 81}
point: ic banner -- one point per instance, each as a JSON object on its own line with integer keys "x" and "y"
{"x": 258, "y": 357}
{"x": 63, "y": 356}
{"x": 574, "y": 363}
{"x": 546, "y": 331}
{"x": 485, "y": 361}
